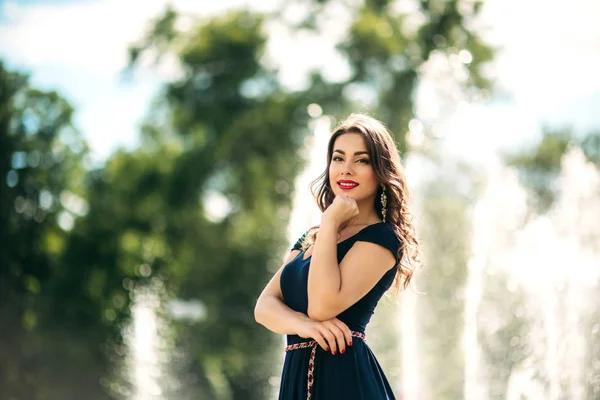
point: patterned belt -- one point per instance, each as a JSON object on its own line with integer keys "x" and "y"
{"x": 311, "y": 361}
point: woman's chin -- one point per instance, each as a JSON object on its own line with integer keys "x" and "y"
{"x": 340, "y": 192}
{"x": 349, "y": 193}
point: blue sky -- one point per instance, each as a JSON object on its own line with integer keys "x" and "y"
{"x": 79, "y": 48}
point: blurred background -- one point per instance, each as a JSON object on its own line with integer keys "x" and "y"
{"x": 155, "y": 159}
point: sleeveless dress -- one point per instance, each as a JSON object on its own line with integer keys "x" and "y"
{"x": 355, "y": 375}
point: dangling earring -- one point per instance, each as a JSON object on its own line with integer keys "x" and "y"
{"x": 383, "y": 203}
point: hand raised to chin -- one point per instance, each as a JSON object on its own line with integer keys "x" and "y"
{"x": 341, "y": 210}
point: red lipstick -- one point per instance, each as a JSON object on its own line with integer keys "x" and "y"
{"x": 346, "y": 184}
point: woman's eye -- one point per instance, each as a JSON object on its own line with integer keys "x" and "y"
{"x": 338, "y": 158}
{"x": 363, "y": 160}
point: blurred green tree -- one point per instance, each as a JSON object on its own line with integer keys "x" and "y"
{"x": 52, "y": 328}
{"x": 226, "y": 194}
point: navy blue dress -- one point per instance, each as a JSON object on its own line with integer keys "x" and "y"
{"x": 355, "y": 375}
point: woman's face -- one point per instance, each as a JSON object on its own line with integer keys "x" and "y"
{"x": 350, "y": 171}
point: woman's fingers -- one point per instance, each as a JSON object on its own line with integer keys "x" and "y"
{"x": 339, "y": 337}
{"x": 351, "y": 205}
{"x": 331, "y": 340}
{"x": 342, "y": 208}
{"x": 332, "y": 335}
{"x": 345, "y": 330}
{"x": 321, "y": 341}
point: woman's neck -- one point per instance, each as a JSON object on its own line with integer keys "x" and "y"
{"x": 366, "y": 216}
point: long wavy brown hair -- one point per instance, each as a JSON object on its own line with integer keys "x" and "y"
{"x": 386, "y": 162}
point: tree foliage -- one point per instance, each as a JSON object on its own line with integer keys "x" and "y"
{"x": 51, "y": 321}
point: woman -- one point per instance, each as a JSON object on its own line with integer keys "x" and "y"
{"x": 324, "y": 295}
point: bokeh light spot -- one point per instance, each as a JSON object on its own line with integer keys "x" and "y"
{"x": 465, "y": 57}
{"x": 12, "y": 178}
{"x": 314, "y": 110}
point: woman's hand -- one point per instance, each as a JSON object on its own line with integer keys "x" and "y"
{"x": 332, "y": 334}
{"x": 341, "y": 210}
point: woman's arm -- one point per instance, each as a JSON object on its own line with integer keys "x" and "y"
{"x": 332, "y": 288}
{"x": 271, "y": 312}
{"x": 324, "y": 278}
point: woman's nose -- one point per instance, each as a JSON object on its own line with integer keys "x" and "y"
{"x": 348, "y": 168}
